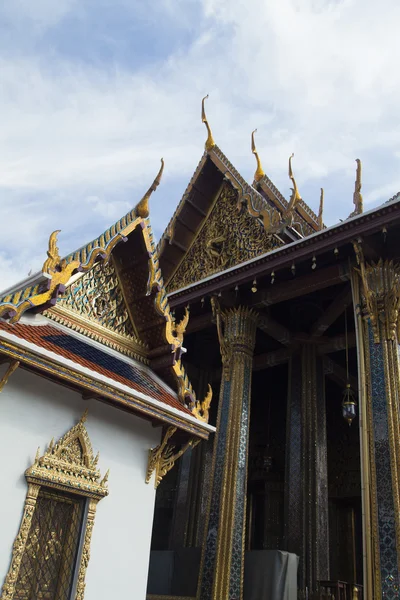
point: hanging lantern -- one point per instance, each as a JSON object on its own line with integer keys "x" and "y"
{"x": 349, "y": 405}
{"x": 254, "y": 286}
{"x": 348, "y": 402}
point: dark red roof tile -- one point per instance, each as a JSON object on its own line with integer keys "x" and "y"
{"x": 91, "y": 357}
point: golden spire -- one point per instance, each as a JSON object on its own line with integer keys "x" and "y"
{"x": 210, "y": 140}
{"x": 357, "y": 197}
{"x": 142, "y": 209}
{"x": 259, "y": 174}
{"x": 295, "y": 197}
{"x": 321, "y": 209}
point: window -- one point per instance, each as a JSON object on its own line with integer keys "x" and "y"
{"x": 51, "y": 551}
{"x": 49, "y": 559}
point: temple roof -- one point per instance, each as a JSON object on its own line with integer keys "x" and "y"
{"x": 276, "y": 221}
{"x": 111, "y": 290}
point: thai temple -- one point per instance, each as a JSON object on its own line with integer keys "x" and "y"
{"x": 211, "y": 417}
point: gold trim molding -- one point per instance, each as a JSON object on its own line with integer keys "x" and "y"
{"x": 13, "y": 366}
{"x": 67, "y": 465}
{"x": 162, "y": 458}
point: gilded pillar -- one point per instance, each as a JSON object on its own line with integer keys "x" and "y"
{"x": 377, "y": 300}
{"x": 222, "y": 564}
{"x": 306, "y": 486}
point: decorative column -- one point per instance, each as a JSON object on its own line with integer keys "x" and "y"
{"x": 222, "y": 563}
{"x": 306, "y": 486}
{"x": 378, "y": 292}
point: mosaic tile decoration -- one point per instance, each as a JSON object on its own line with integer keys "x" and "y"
{"x": 321, "y": 491}
{"x": 386, "y": 515}
{"x": 295, "y": 539}
{"x": 87, "y": 355}
{"x": 236, "y": 583}
{"x": 207, "y": 574}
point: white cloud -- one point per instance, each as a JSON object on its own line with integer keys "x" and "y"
{"x": 39, "y": 13}
{"x": 316, "y": 77}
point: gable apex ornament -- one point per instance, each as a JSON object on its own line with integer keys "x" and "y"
{"x": 70, "y": 464}
{"x": 142, "y": 208}
{"x": 259, "y": 174}
{"x": 210, "y": 143}
{"x": 357, "y": 196}
{"x": 321, "y": 210}
{"x": 53, "y": 259}
{"x": 295, "y": 198}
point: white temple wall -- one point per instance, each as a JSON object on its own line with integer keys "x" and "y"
{"x": 32, "y": 411}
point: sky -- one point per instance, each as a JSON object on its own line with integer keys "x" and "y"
{"x": 94, "y": 92}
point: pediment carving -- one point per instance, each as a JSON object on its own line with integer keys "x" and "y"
{"x": 227, "y": 238}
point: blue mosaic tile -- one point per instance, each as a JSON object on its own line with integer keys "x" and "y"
{"x": 102, "y": 359}
{"x": 386, "y": 515}
{"x": 236, "y": 583}
{"x": 207, "y": 575}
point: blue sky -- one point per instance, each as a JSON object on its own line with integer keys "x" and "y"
{"x": 94, "y": 92}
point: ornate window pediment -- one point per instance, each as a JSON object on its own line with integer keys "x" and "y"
{"x": 47, "y": 561}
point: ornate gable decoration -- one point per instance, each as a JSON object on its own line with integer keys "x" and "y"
{"x": 228, "y": 237}
{"x": 97, "y": 297}
{"x": 70, "y": 465}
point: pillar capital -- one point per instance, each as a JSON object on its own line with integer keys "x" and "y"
{"x": 380, "y": 291}
{"x": 236, "y": 331}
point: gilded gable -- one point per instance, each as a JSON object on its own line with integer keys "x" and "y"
{"x": 97, "y": 297}
{"x": 227, "y": 238}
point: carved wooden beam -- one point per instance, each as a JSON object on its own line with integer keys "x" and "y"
{"x": 338, "y": 374}
{"x": 336, "y": 343}
{"x": 271, "y": 359}
{"x": 298, "y": 286}
{"x": 200, "y": 322}
{"x": 334, "y": 310}
{"x": 275, "y": 330}
{"x": 14, "y": 364}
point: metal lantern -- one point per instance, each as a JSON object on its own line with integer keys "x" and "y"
{"x": 349, "y": 405}
{"x": 348, "y": 402}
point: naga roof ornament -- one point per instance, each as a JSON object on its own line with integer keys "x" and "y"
{"x": 210, "y": 143}
{"x": 259, "y": 174}
{"x": 357, "y": 197}
{"x": 142, "y": 208}
{"x": 295, "y": 198}
{"x": 321, "y": 210}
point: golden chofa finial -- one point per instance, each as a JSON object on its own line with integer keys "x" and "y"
{"x": 142, "y": 209}
{"x": 210, "y": 140}
{"x": 321, "y": 210}
{"x": 53, "y": 257}
{"x": 295, "y": 198}
{"x": 259, "y": 174}
{"x": 357, "y": 197}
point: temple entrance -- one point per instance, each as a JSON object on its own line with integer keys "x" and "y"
{"x": 266, "y": 469}
{"x": 303, "y": 465}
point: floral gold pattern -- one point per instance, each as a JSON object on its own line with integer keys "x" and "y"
{"x": 230, "y": 237}
{"x": 68, "y": 465}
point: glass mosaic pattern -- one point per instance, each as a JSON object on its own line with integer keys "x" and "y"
{"x": 235, "y": 590}
{"x": 294, "y": 495}
{"x": 213, "y": 523}
{"x": 386, "y": 516}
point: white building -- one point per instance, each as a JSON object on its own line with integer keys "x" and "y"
{"x": 91, "y": 380}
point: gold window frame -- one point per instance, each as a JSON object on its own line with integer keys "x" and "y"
{"x": 70, "y": 466}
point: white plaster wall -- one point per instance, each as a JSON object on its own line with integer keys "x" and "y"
{"x": 32, "y": 411}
